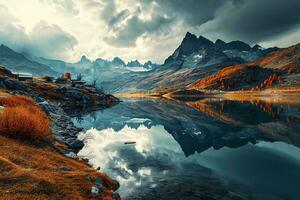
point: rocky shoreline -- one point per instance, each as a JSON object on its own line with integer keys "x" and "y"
{"x": 58, "y": 101}
{"x": 62, "y": 127}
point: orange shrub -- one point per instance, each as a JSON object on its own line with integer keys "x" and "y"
{"x": 23, "y": 119}
{"x": 12, "y": 101}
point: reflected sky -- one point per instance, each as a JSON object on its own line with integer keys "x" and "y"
{"x": 232, "y": 161}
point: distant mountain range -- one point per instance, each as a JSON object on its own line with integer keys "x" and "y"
{"x": 194, "y": 59}
{"x": 92, "y": 70}
{"x": 191, "y": 65}
{"x": 201, "y": 51}
{"x": 17, "y": 62}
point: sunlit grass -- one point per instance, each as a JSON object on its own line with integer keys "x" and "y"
{"x": 23, "y": 119}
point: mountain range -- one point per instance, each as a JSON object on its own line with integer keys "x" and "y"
{"x": 194, "y": 59}
{"x": 39, "y": 66}
{"x": 197, "y": 63}
{"x": 18, "y": 62}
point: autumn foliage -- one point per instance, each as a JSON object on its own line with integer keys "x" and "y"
{"x": 236, "y": 77}
{"x": 23, "y": 119}
{"x": 268, "y": 82}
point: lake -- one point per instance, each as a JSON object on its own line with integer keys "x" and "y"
{"x": 204, "y": 149}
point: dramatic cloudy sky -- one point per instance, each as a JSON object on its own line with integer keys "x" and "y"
{"x": 141, "y": 29}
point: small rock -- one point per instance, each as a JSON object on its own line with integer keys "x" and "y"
{"x": 71, "y": 155}
{"x": 74, "y": 143}
{"x": 95, "y": 191}
{"x": 16, "y": 85}
{"x": 64, "y": 169}
{"x": 116, "y": 195}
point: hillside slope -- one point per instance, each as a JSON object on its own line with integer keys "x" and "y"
{"x": 194, "y": 59}
{"x": 278, "y": 69}
{"x": 17, "y": 62}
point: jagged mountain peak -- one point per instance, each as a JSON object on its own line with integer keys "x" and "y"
{"x": 257, "y": 47}
{"x": 149, "y": 64}
{"x": 118, "y": 61}
{"x": 219, "y": 41}
{"x": 204, "y": 41}
{"x": 133, "y": 63}
{"x": 189, "y": 37}
{"x": 189, "y": 45}
{"x": 84, "y": 59}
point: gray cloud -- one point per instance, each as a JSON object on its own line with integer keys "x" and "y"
{"x": 44, "y": 40}
{"x": 127, "y": 35}
{"x": 256, "y": 20}
{"x": 249, "y": 20}
{"x": 193, "y": 12}
{"x": 50, "y": 40}
{"x": 159, "y": 24}
{"x": 126, "y": 27}
{"x": 252, "y": 21}
{"x": 118, "y": 17}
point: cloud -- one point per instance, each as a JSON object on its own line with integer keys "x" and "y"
{"x": 253, "y": 21}
{"x": 43, "y": 40}
{"x": 141, "y": 29}
{"x": 62, "y": 5}
{"x": 118, "y": 17}
{"x": 193, "y": 12}
{"x": 249, "y": 20}
{"x": 50, "y": 40}
{"x": 127, "y": 35}
{"x": 127, "y": 26}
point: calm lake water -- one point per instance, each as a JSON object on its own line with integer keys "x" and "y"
{"x": 205, "y": 149}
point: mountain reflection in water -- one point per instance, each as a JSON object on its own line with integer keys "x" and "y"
{"x": 163, "y": 164}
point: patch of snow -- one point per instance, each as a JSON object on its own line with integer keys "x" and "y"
{"x": 137, "y": 69}
{"x": 198, "y": 57}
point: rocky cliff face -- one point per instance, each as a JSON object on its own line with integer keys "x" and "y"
{"x": 201, "y": 51}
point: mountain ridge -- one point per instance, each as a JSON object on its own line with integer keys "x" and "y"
{"x": 18, "y": 62}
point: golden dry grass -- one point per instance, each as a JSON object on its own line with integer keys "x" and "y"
{"x": 26, "y": 123}
{"x": 23, "y": 119}
{"x": 12, "y": 101}
{"x": 30, "y": 171}
{"x": 27, "y": 172}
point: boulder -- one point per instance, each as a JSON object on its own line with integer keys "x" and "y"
{"x": 16, "y": 85}
{"x": 75, "y": 144}
{"x": 78, "y": 96}
{"x": 2, "y": 86}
